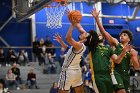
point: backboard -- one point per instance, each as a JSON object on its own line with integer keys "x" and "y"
{"x": 25, "y": 8}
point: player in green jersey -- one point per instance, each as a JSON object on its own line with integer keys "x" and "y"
{"x": 100, "y": 56}
{"x": 131, "y": 57}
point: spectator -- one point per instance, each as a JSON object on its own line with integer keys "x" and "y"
{"x": 43, "y": 56}
{"x": 22, "y": 57}
{"x": 83, "y": 64}
{"x": 16, "y": 71}
{"x": 11, "y": 79}
{"x": 41, "y": 43}
{"x": 11, "y": 57}
{"x": 83, "y": 67}
{"x": 31, "y": 79}
{"x": 35, "y": 49}
{"x": 52, "y": 51}
{"x": 2, "y": 57}
{"x": 87, "y": 61}
{"x": 88, "y": 75}
{"x": 52, "y": 65}
{"x": 54, "y": 88}
{"x": 48, "y": 42}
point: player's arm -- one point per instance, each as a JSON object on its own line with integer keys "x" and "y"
{"x": 80, "y": 28}
{"x": 112, "y": 41}
{"x": 134, "y": 59}
{"x": 71, "y": 41}
{"x": 118, "y": 58}
{"x": 58, "y": 38}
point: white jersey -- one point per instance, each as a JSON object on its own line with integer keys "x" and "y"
{"x": 71, "y": 75}
{"x": 72, "y": 59}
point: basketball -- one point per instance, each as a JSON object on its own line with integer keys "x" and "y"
{"x": 75, "y": 16}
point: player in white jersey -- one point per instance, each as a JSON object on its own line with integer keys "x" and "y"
{"x": 71, "y": 75}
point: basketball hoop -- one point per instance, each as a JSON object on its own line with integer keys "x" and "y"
{"x": 54, "y": 13}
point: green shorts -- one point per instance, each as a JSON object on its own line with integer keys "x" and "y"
{"x": 104, "y": 83}
{"x": 119, "y": 80}
{"x": 126, "y": 81}
{"x": 123, "y": 82}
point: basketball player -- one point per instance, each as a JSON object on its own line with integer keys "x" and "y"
{"x": 71, "y": 75}
{"x": 131, "y": 57}
{"x": 101, "y": 55}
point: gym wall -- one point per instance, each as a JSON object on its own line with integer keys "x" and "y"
{"x": 14, "y": 33}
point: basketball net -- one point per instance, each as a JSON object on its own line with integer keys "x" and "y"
{"x": 54, "y": 15}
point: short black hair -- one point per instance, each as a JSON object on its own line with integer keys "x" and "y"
{"x": 129, "y": 33}
{"x": 92, "y": 40}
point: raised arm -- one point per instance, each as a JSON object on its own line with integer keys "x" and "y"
{"x": 80, "y": 28}
{"x": 71, "y": 41}
{"x": 112, "y": 41}
{"x": 58, "y": 38}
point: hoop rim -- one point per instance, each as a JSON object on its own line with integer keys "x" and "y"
{"x": 60, "y": 0}
{"x": 54, "y": 14}
{"x": 59, "y": 3}
{"x": 51, "y": 6}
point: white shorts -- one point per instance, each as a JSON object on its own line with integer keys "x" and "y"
{"x": 70, "y": 78}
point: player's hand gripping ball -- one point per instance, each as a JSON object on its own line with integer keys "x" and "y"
{"x": 75, "y": 16}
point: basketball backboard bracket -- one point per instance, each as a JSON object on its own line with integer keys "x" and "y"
{"x": 40, "y": 5}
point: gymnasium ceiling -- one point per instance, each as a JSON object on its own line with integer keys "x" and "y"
{"x": 25, "y": 8}
{"x": 37, "y": 5}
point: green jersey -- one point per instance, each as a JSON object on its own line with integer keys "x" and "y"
{"x": 101, "y": 67}
{"x": 123, "y": 67}
{"x": 100, "y": 59}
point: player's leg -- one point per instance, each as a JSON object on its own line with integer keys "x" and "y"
{"x": 77, "y": 82}
{"x": 65, "y": 82}
{"x": 119, "y": 88}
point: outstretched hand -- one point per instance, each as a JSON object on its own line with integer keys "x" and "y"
{"x": 57, "y": 37}
{"x": 95, "y": 13}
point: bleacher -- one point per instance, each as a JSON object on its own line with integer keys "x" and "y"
{"x": 44, "y": 81}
